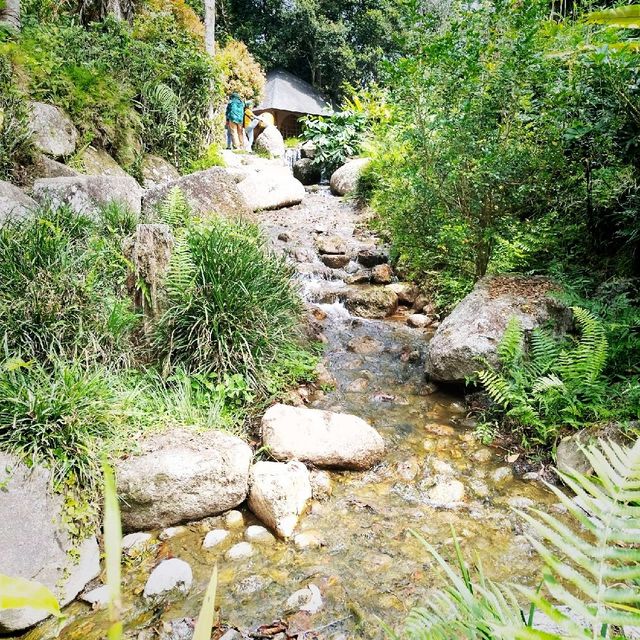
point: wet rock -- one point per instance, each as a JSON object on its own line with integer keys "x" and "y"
{"x": 371, "y": 257}
{"x": 308, "y": 599}
{"x": 407, "y": 470}
{"x": 271, "y": 142}
{"x": 303, "y": 254}
{"x": 181, "y": 629}
{"x": 476, "y": 326}
{"x": 172, "y": 575}
{"x": 321, "y": 438}
{"x": 271, "y": 188}
{"x": 284, "y": 237}
{"x": 308, "y": 150}
{"x": 97, "y": 162}
{"x": 134, "y": 543}
{"x": 308, "y": 540}
{"x": 418, "y": 321}
{"x": 331, "y": 245}
{"x": 212, "y": 191}
{"x": 171, "y": 532}
{"x": 215, "y": 538}
{"x": 157, "y": 171}
{"x": 364, "y": 277}
{"x": 248, "y": 586}
{"x": 15, "y": 204}
{"x": 480, "y": 488}
{"x": 371, "y": 302}
{"x": 440, "y": 429}
{"x": 446, "y": 493}
{"x": 323, "y": 377}
{"x": 306, "y": 171}
{"x": 359, "y": 385}
{"x": 335, "y": 261}
{"x": 345, "y": 179}
{"x": 98, "y": 597}
{"x": 279, "y": 493}
{"x": 365, "y": 345}
{"x": 382, "y": 274}
{"x": 259, "y": 535}
{"x": 234, "y": 519}
{"x": 34, "y": 544}
{"x": 181, "y": 476}
{"x": 532, "y": 476}
{"x": 239, "y": 551}
{"x": 442, "y": 467}
{"x": 85, "y": 193}
{"x": 321, "y": 486}
{"x": 482, "y": 455}
{"x": 502, "y": 476}
{"x": 52, "y": 131}
{"x": 406, "y": 292}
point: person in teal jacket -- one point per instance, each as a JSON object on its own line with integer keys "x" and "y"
{"x": 235, "y": 118}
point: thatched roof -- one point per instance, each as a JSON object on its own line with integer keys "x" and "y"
{"x": 285, "y": 92}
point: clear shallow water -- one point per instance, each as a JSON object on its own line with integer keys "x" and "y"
{"x": 370, "y": 567}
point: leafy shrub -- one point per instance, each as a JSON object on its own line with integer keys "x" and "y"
{"x": 57, "y": 415}
{"x": 590, "y": 585}
{"x": 61, "y": 286}
{"x": 212, "y": 157}
{"x": 553, "y": 383}
{"x": 231, "y": 304}
{"x": 337, "y": 137}
{"x": 240, "y": 72}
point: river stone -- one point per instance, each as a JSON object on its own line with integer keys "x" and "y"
{"x": 35, "y": 545}
{"x": 321, "y": 486}
{"x": 271, "y": 188}
{"x": 239, "y": 551}
{"x": 214, "y": 538}
{"x": 170, "y": 575}
{"x": 97, "y": 162}
{"x": 308, "y": 599}
{"x": 52, "y": 131}
{"x": 234, "y": 519}
{"x": 279, "y": 493}
{"x": 308, "y": 540}
{"x": 335, "y": 261}
{"x": 365, "y": 345}
{"x": 85, "y": 193}
{"x": 446, "y": 493}
{"x": 259, "y": 535}
{"x": 502, "y": 476}
{"x": 157, "y": 171}
{"x": 371, "y": 302}
{"x": 418, "y": 321}
{"x": 213, "y": 191}
{"x": 134, "y": 543}
{"x": 370, "y": 257}
{"x": 98, "y": 597}
{"x": 44, "y": 167}
{"x": 345, "y": 179}
{"x": 306, "y": 171}
{"x": 181, "y": 476}
{"x": 407, "y": 293}
{"x": 308, "y": 150}
{"x": 270, "y": 141}
{"x": 322, "y": 438}
{"x": 331, "y": 245}
{"x": 14, "y": 203}
{"x": 382, "y": 274}
{"x": 171, "y": 532}
{"x": 474, "y": 329}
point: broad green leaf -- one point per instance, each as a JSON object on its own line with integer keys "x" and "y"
{"x": 623, "y": 17}
{"x": 112, "y": 552}
{"x": 16, "y": 593}
{"x": 207, "y": 611}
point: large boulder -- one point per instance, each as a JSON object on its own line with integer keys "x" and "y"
{"x": 14, "y": 203}
{"x": 371, "y": 302}
{"x": 308, "y": 150}
{"x": 213, "y": 191}
{"x": 34, "y": 544}
{"x": 180, "y": 476}
{"x": 97, "y": 162}
{"x": 157, "y": 171}
{"x": 271, "y": 142}
{"x": 271, "y": 188}
{"x": 278, "y": 494}
{"x": 472, "y": 333}
{"x": 44, "y": 167}
{"x": 85, "y": 194}
{"x": 52, "y": 131}
{"x": 306, "y": 171}
{"x": 322, "y": 438}
{"x": 345, "y": 179}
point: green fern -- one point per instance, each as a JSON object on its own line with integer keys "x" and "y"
{"x": 510, "y": 350}
{"x": 175, "y": 209}
{"x": 162, "y": 99}
{"x": 592, "y": 569}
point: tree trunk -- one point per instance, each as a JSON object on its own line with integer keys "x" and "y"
{"x": 210, "y": 26}
{"x": 11, "y": 14}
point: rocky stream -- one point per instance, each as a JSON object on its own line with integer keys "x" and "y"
{"x": 352, "y": 561}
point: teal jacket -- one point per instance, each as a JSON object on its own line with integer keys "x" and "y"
{"x": 235, "y": 108}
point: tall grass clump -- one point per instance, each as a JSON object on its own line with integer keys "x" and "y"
{"x": 61, "y": 285}
{"x": 231, "y": 306}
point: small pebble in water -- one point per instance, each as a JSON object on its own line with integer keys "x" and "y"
{"x": 214, "y": 538}
{"x": 259, "y": 535}
{"x": 234, "y": 519}
{"x": 239, "y": 551}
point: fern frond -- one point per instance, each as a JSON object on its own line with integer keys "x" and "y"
{"x": 162, "y": 98}
{"x": 182, "y": 272}
{"x": 511, "y": 347}
{"x": 175, "y": 209}
{"x": 544, "y": 350}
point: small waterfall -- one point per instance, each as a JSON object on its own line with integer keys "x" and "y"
{"x": 291, "y": 156}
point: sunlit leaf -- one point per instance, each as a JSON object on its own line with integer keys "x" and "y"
{"x": 16, "y": 593}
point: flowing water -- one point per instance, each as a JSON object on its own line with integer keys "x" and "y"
{"x": 368, "y": 567}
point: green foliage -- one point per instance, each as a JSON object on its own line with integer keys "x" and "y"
{"x": 16, "y": 593}
{"x": 554, "y": 383}
{"x": 61, "y": 285}
{"x": 337, "y": 137}
{"x": 623, "y": 17}
{"x": 57, "y": 415}
{"x": 590, "y": 587}
{"x": 238, "y": 311}
{"x": 212, "y": 157}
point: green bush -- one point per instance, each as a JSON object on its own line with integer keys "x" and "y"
{"x": 62, "y": 284}
{"x": 212, "y": 157}
{"x": 231, "y": 304}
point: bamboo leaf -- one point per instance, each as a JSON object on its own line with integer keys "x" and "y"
{"x": 16, "y": 593}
